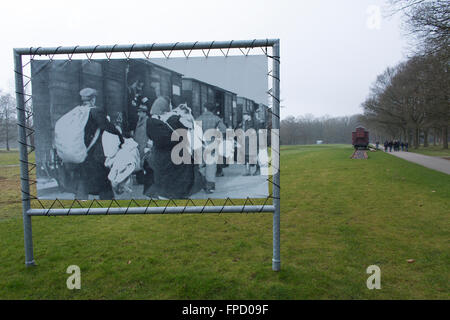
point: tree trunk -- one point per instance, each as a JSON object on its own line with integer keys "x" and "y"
{"x": 445, "y": 137}
{"x": 7, "y": 135}
{"x": 434, "y": 136}
{"x": 416, "y": 138}
{"x": 425, "y": 137}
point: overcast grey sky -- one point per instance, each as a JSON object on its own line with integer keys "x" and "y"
{"x": 329, "y": 54}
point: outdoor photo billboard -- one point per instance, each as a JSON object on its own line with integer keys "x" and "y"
{"x": 178, "y": 128}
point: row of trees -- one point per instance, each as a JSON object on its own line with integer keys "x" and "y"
{"x": 309, "y": 129}
{"x": 411, "y": 101}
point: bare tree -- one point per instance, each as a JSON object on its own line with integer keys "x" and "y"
{"x": 438, "y": 82}
{"x": 308, "y": 129}
{"x": 8, "y": 117}
{"x": 412, "y": 98}
{"x": 428, "y": 22}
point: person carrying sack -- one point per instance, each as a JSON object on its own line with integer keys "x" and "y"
{"x": 93, "y": 175}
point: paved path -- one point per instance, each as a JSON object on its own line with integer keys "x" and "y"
{"x": 435, "y": 163}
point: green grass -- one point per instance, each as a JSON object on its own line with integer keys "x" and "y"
{"x": 338, "y": 217}
{"x": 435, "y": 151}
{"x": 9, "y": 157}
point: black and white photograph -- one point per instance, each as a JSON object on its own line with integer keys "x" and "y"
{"x": 104, "y": 129}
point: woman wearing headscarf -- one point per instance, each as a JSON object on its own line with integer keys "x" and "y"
{"x": 170, "y": 181}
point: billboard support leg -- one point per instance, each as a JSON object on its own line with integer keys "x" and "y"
{"x": 23, "y": 156}
{"x": 276, "y": 260}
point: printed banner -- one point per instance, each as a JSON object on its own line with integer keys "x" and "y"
{"x": 173, "y": 128}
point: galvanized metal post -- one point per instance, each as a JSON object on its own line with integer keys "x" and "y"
{"x": 23, "y": 157}
{"x": 276, "y": 260}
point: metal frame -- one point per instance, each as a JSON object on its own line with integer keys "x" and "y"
{"x": 28, "y": 212}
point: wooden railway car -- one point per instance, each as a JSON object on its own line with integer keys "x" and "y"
{"x": 158, "y": 80}
{"x": 360, "y": 138}
{"x": 262, "y": 115}
{"x": 225, "y": 100}
{"x": 196, "y": 93}
{"x": 245, "y": 106}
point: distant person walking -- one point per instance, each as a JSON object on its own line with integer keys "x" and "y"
{"x": 406, "y": 146}
{"x": 390, "y": 146}
{"x": 377, "y": 144}
{"x": 386, "y": 144}
{"x": 402, "y": 145}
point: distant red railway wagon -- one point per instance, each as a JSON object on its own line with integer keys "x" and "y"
{"x": 360, "y": 138}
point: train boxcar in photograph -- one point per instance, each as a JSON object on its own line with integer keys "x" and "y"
{"x": 360, "y": 138}
{"x": 262, "y": 115}
{"x": 225, "y": 100}
{"x": 158, "y": 81}
{"x": 245, "y": 106}
{"x": 196, "y": 93}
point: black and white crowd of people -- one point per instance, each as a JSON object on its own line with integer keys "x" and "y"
{"x": 143, "y": 137}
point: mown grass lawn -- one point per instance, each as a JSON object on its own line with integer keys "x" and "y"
{"x": 338, "y": 217}
{"x": 435, "y": 151}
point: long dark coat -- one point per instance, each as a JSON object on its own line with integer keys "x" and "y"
{"x": 169, "y": 180}
{"x": 93, "y": 173}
